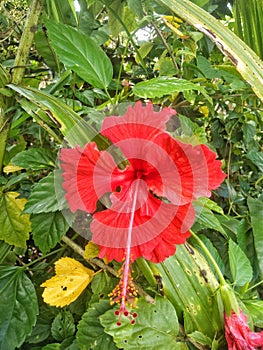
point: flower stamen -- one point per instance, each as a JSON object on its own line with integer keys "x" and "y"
{"x": 125, "y": 292}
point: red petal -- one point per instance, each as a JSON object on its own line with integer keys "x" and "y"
{"x": 154, "y": 237}
{"x": 238, "y": 334}
{"x": 88, "y": 175}
{"x": 199, "y": 171}
{"x": 135, "y": 122}
{"x": 70, "y": 159}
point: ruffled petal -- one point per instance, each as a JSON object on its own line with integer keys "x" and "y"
{"x": 198, "y": 168}
{"x": 88, "y": 174}
{"x": 154, "y": 236}
{"x": 138, "y": 121}
{"x": 70, "y": 159}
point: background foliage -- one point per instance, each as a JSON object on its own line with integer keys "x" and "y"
{"x": 82, "y": 63}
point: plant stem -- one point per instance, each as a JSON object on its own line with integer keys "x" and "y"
{"x": 6, "y": 115}
{"x": 211, "y": 259}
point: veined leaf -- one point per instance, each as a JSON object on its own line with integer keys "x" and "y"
{"x": 14, "y": 226}
{"x": 35, "y": 159}
{"x": 155, "y": 327}
{"x": 46, "y": 197}
{"x": 63, "y": 326}
{"x": 91, "y": 333}
{"x": 48, "y": 229}
{"x": 81, "y": 54}
{"x": 247, "y": 63}
{"x": 240, "y": 267}
{"x": 190, "y": 285}
{"x": 161, "y": 86}
{"x": 71, "y": 279}
{"x": 18, "y": 307}
{"x": 256, "y": 213}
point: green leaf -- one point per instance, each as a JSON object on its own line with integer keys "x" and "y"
{"x": 46, "y": 196}
{"x": 240, "y": 266}
{"x": 200, "y": 338}
{"x": 48, "y": 229}
{"x": 35, "y": 159}
{"x": 72, "y": 126}
{"x": 18, "y": 307}
{"x": 53, "y": 346}
{"x": 143, "y": 51}
{"x": 81, "y": 54}
{"x": 161, "y": 86}
{"x": 255, "y": 308}
{"x": 42, "y": 329}
{"x": 256, "y": 158}
{"x": 63, "y": 326}
{"x": 256, "y": 213}
{"x": 14, "y": 226}
{"x": 155, "y": 327}
{"x": 190, "y": 285}
{"x": 206, "y": 218}
{"x": 90, "y": 333}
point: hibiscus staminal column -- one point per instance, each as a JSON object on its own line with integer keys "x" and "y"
{"x": 125, "y": 292}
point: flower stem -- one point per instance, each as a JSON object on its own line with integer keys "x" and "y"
{"x": 211, "y": 259}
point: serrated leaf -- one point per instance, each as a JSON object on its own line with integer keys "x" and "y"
{"x": 240, "y": 266}
{"x": 14, "y": 226}
{"x": 18, "y": 307}
{"x": 91, "y": 250}
{"x": 48, "y": 229}
{"x": 63, "y": 326}
{"x": 155, "y": 327}
{"x": 81, "y": 54}
{"x": 34, "y": 159}
{"x": 90, "y": 333}
{"x": 69, "y": 282}
{"x": 46, "y": 196}
{"x": 161, "y": 86}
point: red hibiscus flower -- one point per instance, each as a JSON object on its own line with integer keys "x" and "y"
{"x": 238, "y": 334}
{"x": 148, "y": 199}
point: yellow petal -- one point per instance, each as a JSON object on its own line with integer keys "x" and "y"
{"x": 91, "y": 250}
{"x": 70, "y": 281}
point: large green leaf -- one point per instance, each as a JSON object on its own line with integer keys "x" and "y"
{"x": 256, "y": 213}
{"x": 161, "y": 86}
{"x": 81, "y": 54}
{"x": 35, "y": 159}
{"x": 155, "y": 327}
{"x": 46, "y": 197}
{"x": 90, "y": 333}
{"x": 18, "y": 307}
{"x": 48, "y": 229}
{"x": 245, "y": 60}
{"x": 14, "y": 226}
{"x": 63, "y": 325}
{"x": 190, "y": 285}
{"x": 240, "y": 266}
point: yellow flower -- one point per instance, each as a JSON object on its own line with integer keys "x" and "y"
{"x": 71, "y": 279}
